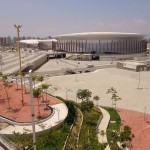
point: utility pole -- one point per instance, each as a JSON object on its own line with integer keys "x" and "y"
{"x": 18, "y": 31}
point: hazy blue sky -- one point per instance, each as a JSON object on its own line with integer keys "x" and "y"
{"x": 52, "y": 17}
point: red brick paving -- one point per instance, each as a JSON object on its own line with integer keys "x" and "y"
{"x": 140, "y": 128}
{"x": 18, "y": 112}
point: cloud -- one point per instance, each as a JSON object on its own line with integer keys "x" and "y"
{"x": 140, "y": 21}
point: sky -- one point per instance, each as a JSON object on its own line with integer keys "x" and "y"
{"x": 54, "y": 17}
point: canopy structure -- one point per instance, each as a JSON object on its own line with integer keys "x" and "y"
{"x": 99, "y": 35}
{"x": 36, "y": 41}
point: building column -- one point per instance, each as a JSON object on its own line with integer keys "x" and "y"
{"x": 99, "y": 47}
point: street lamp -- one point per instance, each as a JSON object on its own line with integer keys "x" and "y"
{"x": 139, "y": 77}
{"x": 32, "y": 109}
{"x": 77, "y": 67}
{"x": 58, "y": 113}
{"x": 1, "y": 63}
{"x": 67, "y": 90}
{"x": 18, "y": 31}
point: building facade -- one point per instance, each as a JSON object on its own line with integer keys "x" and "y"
{"x": 102, "y": 43}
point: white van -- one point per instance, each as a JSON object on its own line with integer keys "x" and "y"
{"x": 90, "y": 65}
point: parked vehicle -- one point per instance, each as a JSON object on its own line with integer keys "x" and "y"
{"x": 90, "y": 65}
{"x": 70, "y": 72}
{"x": 86, "y": 71}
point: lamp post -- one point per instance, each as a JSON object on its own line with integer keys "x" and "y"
{"x": 18, "y": 31}
{"x": 1, "y": 63}
{"x": 58, "y": 113}
{"x": 77, "y": 68}
{"x": 32, "y": 109}
{"x": 139, "y": 77}
{"x": 67, "y": 90}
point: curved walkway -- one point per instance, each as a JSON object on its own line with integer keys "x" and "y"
{"x": 60, "y": 113}
{"x": 103, "y": 127}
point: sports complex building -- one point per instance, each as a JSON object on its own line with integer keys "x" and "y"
{"x": 102, "y": 43}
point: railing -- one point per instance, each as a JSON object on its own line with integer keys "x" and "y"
{"x": 8, "y": 143}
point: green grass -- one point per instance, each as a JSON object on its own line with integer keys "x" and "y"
{"x": 52, "y": 139}
{"x": 88, "y": 138}
{"x": 114, "y": 116}
{"x": 49, "y": 140}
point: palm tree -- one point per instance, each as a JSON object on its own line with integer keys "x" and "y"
{"x": 34, "y": 78}
{"x": 45, "y": 87}
{"x": 24, "y": 81}
{"x": 96, "y": 98}
{"x": 37, "y": 93}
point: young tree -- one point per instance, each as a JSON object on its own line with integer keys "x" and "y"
{"x": 126, "y": 136}
{"x": 102, "y": 133}
{"x": 34, "y": 78}
{"x": 24, "y": 83}
{"x": 114, "y": 96}
{"x": 96, "y": 98}
{"x": 45, "y": 87}
{"x": 40, "y": 78}
{"x": 103, "y": 144}
{"x": 6, "y": 86}
{"x": 37, "y": 93}
{"x": 84, "y": 94}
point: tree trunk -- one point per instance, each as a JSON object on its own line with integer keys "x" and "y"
{"x": 38, "y": 108}
{"x": 7, "y": 98}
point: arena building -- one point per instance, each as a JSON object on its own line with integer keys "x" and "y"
{"x": 102, "y": 43}
{"x": 40, "y": 44}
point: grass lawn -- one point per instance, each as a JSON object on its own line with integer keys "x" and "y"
{"x": 114, "y": 125}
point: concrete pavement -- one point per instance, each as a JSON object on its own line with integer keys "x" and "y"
{"x": 60, "y": 113}
{"x": 125, "y": 82}
{"x": 103, "y": 127}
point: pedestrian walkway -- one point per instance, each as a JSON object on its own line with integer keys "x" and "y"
{"x": 59, "y": 114}
{"x": 103, "y": 127}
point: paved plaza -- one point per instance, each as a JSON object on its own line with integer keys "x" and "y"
{"x": 99, "y": 81}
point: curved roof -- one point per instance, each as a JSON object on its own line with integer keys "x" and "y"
{"x": 35, "y": 41}
{"x": 98, "y": 35}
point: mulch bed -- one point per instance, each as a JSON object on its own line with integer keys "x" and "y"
{"x": 18, "y": 112}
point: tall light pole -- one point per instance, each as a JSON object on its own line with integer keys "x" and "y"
{"x": 18, "y": 31}
{"x": 139, "y": 77}
{"x": 32, "y": 109}
{"x": 58, "y": 113}
{"x": 77, "y": 67}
